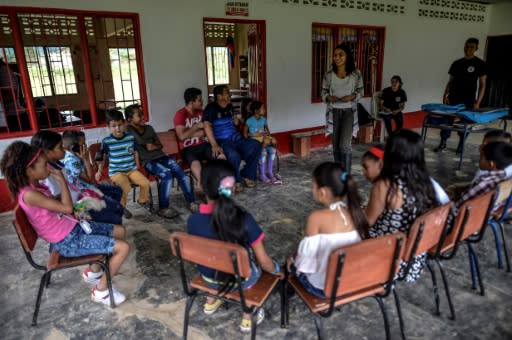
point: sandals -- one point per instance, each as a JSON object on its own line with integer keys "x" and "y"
{"x": 245, "y": 325}
{"x": 276, "y": 180}
{"x": 210, "y": 308}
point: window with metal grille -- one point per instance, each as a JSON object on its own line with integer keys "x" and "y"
{"x": 65, "y": 67}
{"x": 217, "y": 62}
{"x": 366, "y": 43}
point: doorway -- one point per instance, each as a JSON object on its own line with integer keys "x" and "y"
{"x": 498, "y": 92}
{"x": 235, "y": 55}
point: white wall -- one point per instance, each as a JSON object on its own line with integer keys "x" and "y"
{"x": 418, "y": 49}
{"x": 501, "y": 15}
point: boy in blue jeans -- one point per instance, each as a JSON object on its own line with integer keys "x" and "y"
{"x": 156, "y": 162}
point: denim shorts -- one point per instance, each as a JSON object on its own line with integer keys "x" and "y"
{"x": 248, "y": 283}
{"x": 79, "y": 243}
{"x": 303, "y": 279}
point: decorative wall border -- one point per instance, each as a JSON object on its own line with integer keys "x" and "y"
{"x": 382, "y": 6}
{"x": 453, "y": 10}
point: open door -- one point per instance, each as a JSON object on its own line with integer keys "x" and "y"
{"x": 498, "y": 92}
{"x": 235, "y": 56}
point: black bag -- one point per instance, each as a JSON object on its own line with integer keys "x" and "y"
{"x": 363, "y": 116}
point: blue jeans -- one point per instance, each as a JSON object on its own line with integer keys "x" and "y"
{"x": 79, "y": 243}
{"x": 166, "y": 168}
{"x": 399, "y": 121}
{"x": 303, "y": 279}
{"x": 112, "y": 213}
{"x": 113, "y": 191}
{"x": 239, "y": 148}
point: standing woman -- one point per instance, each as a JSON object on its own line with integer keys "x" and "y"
{"x": 341, "y": 87}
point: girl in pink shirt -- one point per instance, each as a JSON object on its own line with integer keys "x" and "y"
{"x": 23, "y": 166}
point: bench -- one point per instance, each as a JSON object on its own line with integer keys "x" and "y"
{"x": 301, "y": 141}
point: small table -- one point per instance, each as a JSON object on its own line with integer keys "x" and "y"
{"x": 461, "y": 125}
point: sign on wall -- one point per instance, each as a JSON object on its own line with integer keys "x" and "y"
{"x": 237, "y": 8}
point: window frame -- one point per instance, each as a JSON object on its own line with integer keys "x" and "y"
{"x": 213, "y": 61}
{"x": 12, "y": 13}
{"x": 336, "y": 30}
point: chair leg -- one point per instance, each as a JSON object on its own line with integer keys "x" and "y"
{"x": 505, "y": 246}
{"x": 399, "y": 312}
{"x": 384, "y": 315}
{"x": 134, "y": 189}
{"x": 472, "y": 269}
{"x": 434, "y": 285}
{"x": 477, "y": 267}
{"x": 38, "y": 300}
{"x": 254, "y": 322}
{"x": 498, "y": 245}
{"x": 190, "y": 302}
{"x": 319, "y": 326}
{"x": 282, "y": 291}
{"x": 446, "y": 289}
{"x": 48, "y": 278}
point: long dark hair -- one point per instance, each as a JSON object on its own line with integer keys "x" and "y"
{"x": 14, "y": 165}
{"x": 333, "y": 176}
{"x": 46, "y": 139}
{"x": 404, "y": 157}
{"x": 350, "y": 65}
{"x": 228, "y": 217}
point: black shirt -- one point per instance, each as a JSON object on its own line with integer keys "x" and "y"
{"x": 466, "y": 73}
{"x": 393, "y": 99}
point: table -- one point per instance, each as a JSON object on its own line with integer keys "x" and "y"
{"x": 463, "y": 124}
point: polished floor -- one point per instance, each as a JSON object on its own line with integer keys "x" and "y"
{"x": 151, "y": 281}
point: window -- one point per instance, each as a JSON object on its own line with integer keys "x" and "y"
{"x": 217, "y": 62}
{"x": 367, "y": 44}
{"x": 50, "y": 70}
{"x": 123, "y": 63}
{"x": 77, "y": 67}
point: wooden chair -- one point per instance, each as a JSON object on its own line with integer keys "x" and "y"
{"x": 361, "y": 270}
{"x": 469, "y": 226}
{"x": 227, "y": 258}
{"x": 497, "y": 219}
{"x": 425, "y": 233}
{"x": 93, "y": 150}
{"x": 28, "y": 238}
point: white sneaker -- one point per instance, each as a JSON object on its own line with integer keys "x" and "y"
{"x": 91, "y": 277}
{"x": 103, "y": 296}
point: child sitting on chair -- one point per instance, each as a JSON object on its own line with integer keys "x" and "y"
{"x": 156, "y": 162}
{"x": 256, "y": 127}
{"x": 51, "y": 144}
{"x": 23, "y": 166}
{"x": 372, "y": 162}
{"x": 122, "y": 160}
{"x": 337, "y": 224}
{"x": 222, "y": 219}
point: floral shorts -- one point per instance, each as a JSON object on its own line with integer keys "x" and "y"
{"x": 79, "y": 243}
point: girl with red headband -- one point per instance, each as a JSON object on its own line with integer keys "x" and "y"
{"x": 372, "y": 162}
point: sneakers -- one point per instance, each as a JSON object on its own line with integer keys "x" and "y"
{"x": 442, "y": 146}
{"x": 91, "y": 277}
{"x": 210, "y": 308}
{"x": 168, "y": 213}
{"x": 193, "y": 207}
{"x": 238, "y": 187}
{"x": 249, "y": 183}
{"x": 245, "y": 325}
{"x": 127, "y": 214}
{"x": 146, "y": 205}
{"x": 103, "y": 296}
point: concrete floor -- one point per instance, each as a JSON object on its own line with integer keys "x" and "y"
{"x": 155, "y": 304}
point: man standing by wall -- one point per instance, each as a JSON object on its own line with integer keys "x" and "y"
{"x": 465, "y": 74}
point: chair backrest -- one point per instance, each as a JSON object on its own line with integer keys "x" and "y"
{"x": 214, "y": 254}
{"x": 169, "y": 141}
{"x": 368, "y": 264}
{"x": 26, "y": 233}
{"x": 477, "y": 210}
{"x": 426, "y": 231}
{"x": 503, "y": 201}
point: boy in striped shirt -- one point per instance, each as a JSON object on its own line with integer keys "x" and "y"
{"x": 122, "y": 169}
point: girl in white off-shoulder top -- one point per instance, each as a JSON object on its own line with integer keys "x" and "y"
{"x": 340, "y": 223}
